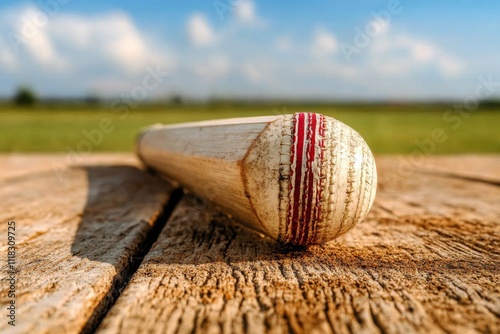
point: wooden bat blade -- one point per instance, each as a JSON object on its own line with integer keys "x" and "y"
{"x": 300, "y": 179}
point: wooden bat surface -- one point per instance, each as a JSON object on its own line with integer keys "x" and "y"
{"x": 300, "y": 179}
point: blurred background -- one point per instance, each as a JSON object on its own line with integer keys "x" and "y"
{"x": 410, "y": 76}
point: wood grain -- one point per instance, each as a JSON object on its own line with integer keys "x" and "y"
{"x": 78, "y": 232}
{"x": 486, "y": 169}
{"x": 426, "y": 259}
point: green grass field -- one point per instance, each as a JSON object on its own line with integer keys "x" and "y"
{"x": 387, "y": 129}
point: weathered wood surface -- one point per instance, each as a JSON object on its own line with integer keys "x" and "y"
{"x": 13, "y": 165}
{"x": 427, "y": 259}
{"x": 78, "y": 230}
{"x": 486, "y": 169}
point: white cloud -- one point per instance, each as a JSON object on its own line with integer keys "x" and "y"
{"x": 253, "y": 72}
{"x": 422, "y": 52}
{"x": 68, "y": 53}
{"x": 449, "y": 65}
{"x": 69, "y": 42}
{"x": 108, "y": 52}
{"x": 8, "y": 60}
{"x": 324, "y": 43}
{"x": 378, "y": 27}
{"x": 31, "y": 32}
{"x": 245, "y": 11}
{"x": 394, "y": 54}
{"x": 245, "y": 15}
{"x": 199, "y": 31}
{"x": 283, "y": 43}
{"x": 113, "y": 36}
{"x": 43, "y": 51}
{"x": 211, "y": 68}
{"x": 328, "y": 68}
{"x": 382, "y": 51}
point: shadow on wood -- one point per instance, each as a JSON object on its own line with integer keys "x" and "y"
{"x": 198, "y": 234}
{"x": 118, "y": 209}
{"x": 117, "y": 196}
{"x": 117, "y": 201}
{"x": 413, "y": 260}
{"x": 77, "y": 229}
{"x": 391, "y": 274}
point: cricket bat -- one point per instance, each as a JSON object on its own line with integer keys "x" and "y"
{"x": 300, "y": 179}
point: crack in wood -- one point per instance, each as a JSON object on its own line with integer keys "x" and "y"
{"x": 120, "y": 282}
{"x": 458, "y": 176}
{"x": 426, "y": 259}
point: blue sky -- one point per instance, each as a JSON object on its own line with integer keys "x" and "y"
{"x": 383, "y": 50}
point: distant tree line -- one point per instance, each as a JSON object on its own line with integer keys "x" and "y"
{"x": 25, "y": 96}
{"x": 493, "y": 104}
